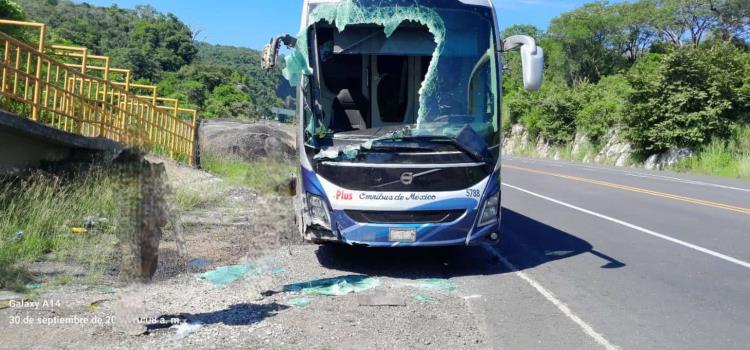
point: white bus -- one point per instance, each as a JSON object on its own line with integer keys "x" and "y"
{"x": 399, "y": 133}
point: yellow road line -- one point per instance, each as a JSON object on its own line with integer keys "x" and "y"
{"x": 638, "y": 190}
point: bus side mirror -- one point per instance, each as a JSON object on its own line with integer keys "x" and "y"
{"x": 532, "y": 59}
{"x": 271, "y": 50}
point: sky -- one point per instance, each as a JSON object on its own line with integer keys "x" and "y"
{"x": 251, "y": 23}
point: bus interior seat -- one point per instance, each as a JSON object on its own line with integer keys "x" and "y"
{"x": 350, "y": 111}
{"x": 343, "y": 79}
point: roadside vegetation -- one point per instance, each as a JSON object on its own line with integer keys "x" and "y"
{"x": 72, "y": 219}
{"x": 188, "y": 197}
{"x": 725, "y": 157}
{"x": 667, "y": 73}
{"x": 265, "y": 176}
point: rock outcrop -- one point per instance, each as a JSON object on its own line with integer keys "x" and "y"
{"x": 249, "y": 141}
{"x": 518, "y": 139}
{"x": 667, "y": 159}
{"x": 615, "y": 151}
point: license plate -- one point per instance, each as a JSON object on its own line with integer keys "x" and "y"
{"x": 402, "y": 234}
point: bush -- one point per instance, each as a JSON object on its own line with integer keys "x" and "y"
{"x": 558, "y": 109}
{"x": 557, "y": 112}
{"x": 549, "y": 113}
{"x": 602, "y": 106}
{"x": 685, "y": 98}
{"x": 227, "y": 101}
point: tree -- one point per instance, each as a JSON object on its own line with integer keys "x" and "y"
{"x": 559, "y": 108}
{"x": 157, "y": 43}
{"x": 588, "y": 35}
{"x": 681, "y": 22}
{"x": 267, "y": 88}
{"x": 227, "y": 101}
{"x": 523, "y": 29}
{"x": 11, "y": 10}
{"x": 633, "y": 33}
{"x": 686, "y": 98}
{"x": 672, "y": 73}
{"x": 734, "y": 17}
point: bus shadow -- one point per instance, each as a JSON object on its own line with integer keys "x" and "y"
{"x": 525, "y": 243}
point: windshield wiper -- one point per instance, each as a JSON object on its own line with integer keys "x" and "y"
{"x": 398, "y": 147}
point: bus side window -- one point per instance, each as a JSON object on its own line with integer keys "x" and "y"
{"x": 479, "y": 94}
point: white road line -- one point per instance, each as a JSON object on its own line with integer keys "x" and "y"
{"x": 667, "y": 178}
{"x": 638, "y": 228}
{"x": 559, "y": 304}
{"x": 631, "y": 173}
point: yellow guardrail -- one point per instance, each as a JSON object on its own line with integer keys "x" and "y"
{"x": 64, "y": 87}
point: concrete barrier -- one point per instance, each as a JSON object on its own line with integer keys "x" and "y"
{"x": 25, "y": 144}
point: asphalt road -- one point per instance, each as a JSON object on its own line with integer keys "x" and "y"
{"x": 596, "y": 257}
{"x": 617, "y": 257}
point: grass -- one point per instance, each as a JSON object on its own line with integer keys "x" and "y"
{"x": 39, "y": 212}
{"x": 563, "y": 152}
{"x": 196, "y": 196}
{"x": 729, "y": 158}
{"x": 163, "y": 151}
{"x": 263, "y": 176}
{"x": 525, "y": 150}
{"x": 61, "y": 279}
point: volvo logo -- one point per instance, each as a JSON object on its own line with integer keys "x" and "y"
{"x": 407, "y": 178}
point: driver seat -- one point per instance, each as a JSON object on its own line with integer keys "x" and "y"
{"x": 349, "y": 111}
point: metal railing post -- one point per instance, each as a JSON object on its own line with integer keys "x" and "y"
{"x": 6, "y": 62}
{"x": 106, "y": 68}
{"x": 175, "y": 118}
{"x": 35, "y": 106}
{"x": 83, "y": 82}
{"x": 194, "y": 137}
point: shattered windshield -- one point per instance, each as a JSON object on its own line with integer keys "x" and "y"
{"x": 373, "y": 71}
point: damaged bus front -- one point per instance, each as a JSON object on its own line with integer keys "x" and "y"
{"x": 399, "y": 131}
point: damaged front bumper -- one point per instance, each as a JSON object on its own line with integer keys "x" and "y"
{"x": 400, "y": 218}
{"x": 461, "y": 231}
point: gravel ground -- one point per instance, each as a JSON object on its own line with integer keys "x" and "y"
{"x": 248, "y": 228}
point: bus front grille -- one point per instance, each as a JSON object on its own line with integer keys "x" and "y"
{"x": 404, "y": 217}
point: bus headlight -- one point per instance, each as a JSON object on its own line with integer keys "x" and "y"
{"x": 318, "y": 211}
{"x": 490, "y": 210}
